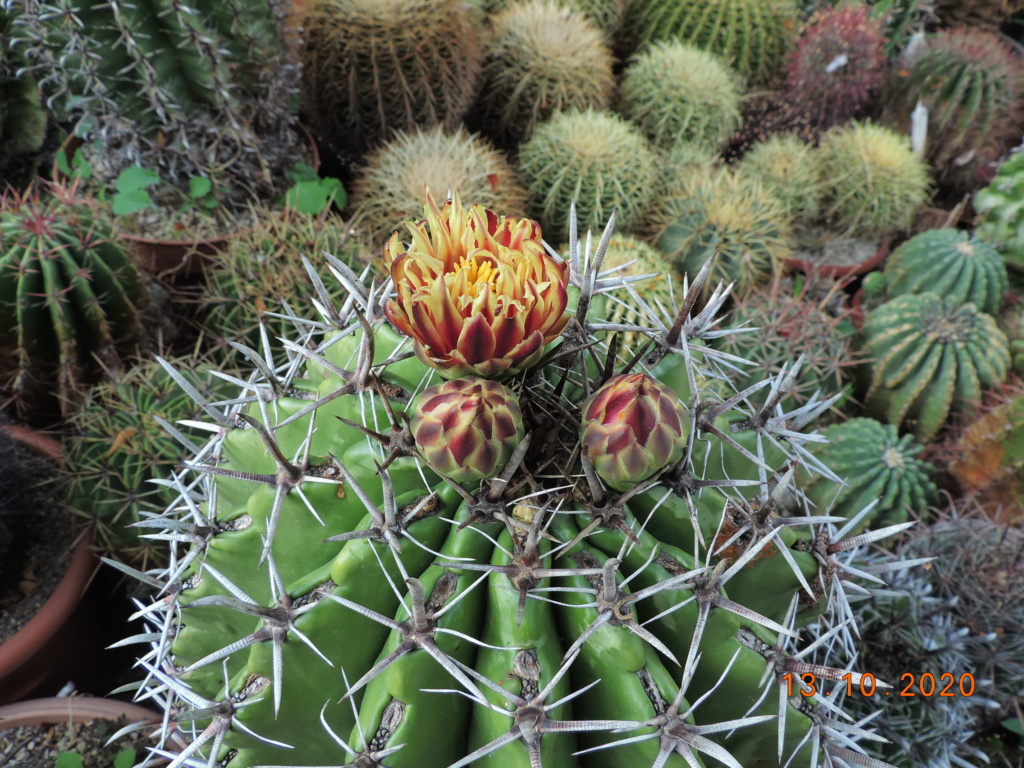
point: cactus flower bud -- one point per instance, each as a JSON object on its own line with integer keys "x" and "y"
{"x": 633, "y": 426}
{"x": 467, "y": 428}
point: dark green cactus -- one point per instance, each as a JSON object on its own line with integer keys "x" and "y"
{"x": 120, "y": 444}
{"x": 68, "y": 296}
{"x": 876, "y": 466}
{"x": 23, "y": 120}
{"x": 676, "y": 92}
{"x": 372, "y": 68}
{"x": 949, "y": 262}
{"x": 595, "y": 159}
{"x": 972, "y": 85}
{"x": 929, "y": 356}
{"x": 752, "y": 35}
{"x": 338, "y": 597}
{"x": 541, "y": 57}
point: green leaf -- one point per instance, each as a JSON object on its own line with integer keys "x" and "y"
{"x": 210, "y": 202}
{"x": 1014, "y": 725}
{"x": 125, "y": 758}
{"x": 135, "y": 177}
{"x": 199, "y": 187}
{"x": 68, "y": 760}
{"x": 130, "y": 202}
{"x": 302, "y": 172}
{"x": 312, "y": 197}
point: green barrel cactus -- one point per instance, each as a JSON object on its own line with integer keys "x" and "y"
{"x": 69, "y": 294}
{"x": 541, "y": 57}
{"x": 1000, "y": 208}
{"x": 971, "y": 83}
{"x": 949, "y": 262}
{"x": 607, "y": 15}
{"x": 731, "y": 216}
{"x": 372, "y": 68}
{"x": 593, "y": 159}
{"x": 125, "y": 435}
{"x": 754, "y": 36}
{"x": 790, "y": 169}
{"x": 873, "y": 182}
{"x": 336, "y": 596}
{"x": 930, "y": 355}
{"x": 877, "y": 466}
{"x": 676, "y": 92}
{"x": 389, "y": 188}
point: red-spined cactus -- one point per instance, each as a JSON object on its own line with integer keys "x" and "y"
{"x": 838, "y": 64}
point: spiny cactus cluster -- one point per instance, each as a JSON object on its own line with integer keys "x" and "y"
{"x": 791, "y": 171}
{"x": 451, "y": 526}
{"x": 1000, "y": 208}
{"x": 69, "y": 295}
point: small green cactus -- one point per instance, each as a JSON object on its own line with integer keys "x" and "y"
{"x": 876, "y": 466}
{"x": 752, "y": 35}
{"x": 949, "y": 262}
{"x": 119, "y": 444}
{"x": 676, "y": 92}
{"x": 372, "y": 68}
{"x": 1000, "y": 208}
{"x": 972, "y": 85}
{"x": 930, "y": 355}
{"x": 730, "y": 216}
{"x": 790, "y": 169}
{"x": 541, "y": 57}
{"x": 69, "y": 294}
{"x": 389, "y": 189}
{"x": 22, "y": 117}
{"x": 595, "y": 159}
{"x": 873, "y": 182}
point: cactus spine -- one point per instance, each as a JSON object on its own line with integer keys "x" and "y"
{"x": 790, "y": 169}
{"x": 381, "y": 591}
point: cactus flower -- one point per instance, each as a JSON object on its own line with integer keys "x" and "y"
{"x": 633, "y": 426}
{"x": 476, "y": 291}
{"x": 467, "y": 428}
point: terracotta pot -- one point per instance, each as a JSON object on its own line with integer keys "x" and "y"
{"x": 182, "y": 258}
{"x": 75, "y": 709}
{"x": 808, "y": 266}
{"x": 61, "y": 642}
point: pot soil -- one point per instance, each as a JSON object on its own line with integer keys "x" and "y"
{"x": 34, "y": 733}
{"x": 49, "y": 632}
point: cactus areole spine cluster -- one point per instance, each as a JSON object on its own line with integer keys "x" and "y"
{"x": 495, "y": 539}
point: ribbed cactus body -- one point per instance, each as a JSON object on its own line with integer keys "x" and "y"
{"x": 949, "y": 262}
{"x": 595, "y": 159}
{"x": 876, "y": 466}
{"x": 971, "y": 84}
{"x": 541, "y": 57}
{"x": 753, "y": 35}
{"x": 68, "y": 295}
{"x": 340, "y": 602}
{"x": 372, "y": 68}
{"x": 930, "y": 356}
{"x": 676, "y": 92}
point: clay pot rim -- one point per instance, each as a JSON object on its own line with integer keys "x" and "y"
{"x": 76, "y": 709}
{"x": 60, "y": 605}
{"x": 835, "y": 270}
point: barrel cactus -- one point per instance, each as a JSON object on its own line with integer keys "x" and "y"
{"x": 949, "y": 262}
{"x": 336, "y": 596}
{"x": 878, "y": 467}
{"x": 790, "y": 169}
{"x": 607, "y": 15}
{"x": 68, "y": 296}
{"x": 540, "y": 58}
{"x": 930, "y": 355}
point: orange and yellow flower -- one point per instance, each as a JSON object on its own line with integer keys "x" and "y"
{"x": 476, "y": 291}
